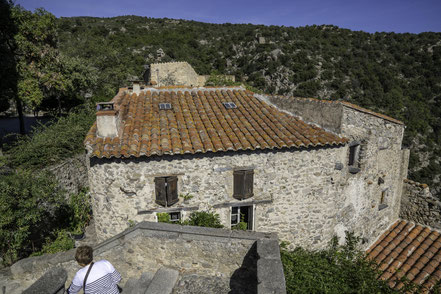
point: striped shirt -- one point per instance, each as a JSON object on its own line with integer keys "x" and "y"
{"x": 103, "y": 279}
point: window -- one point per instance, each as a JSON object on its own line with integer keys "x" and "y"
{"x": 242, "y": 216}
{"x": 166, "y": 189}
{"x": 165, "y": 106}
{"x": 354, "y": 157}
{"x": 383, "y": 199}
{"x": 229, "y": 105}
{"x": 175, "y": 216}
{"x": 243, "y": 184}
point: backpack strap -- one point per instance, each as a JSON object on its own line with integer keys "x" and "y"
{"x": 85, "y": 278}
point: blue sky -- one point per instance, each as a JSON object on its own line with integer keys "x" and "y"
{"x": 367, "y": 15}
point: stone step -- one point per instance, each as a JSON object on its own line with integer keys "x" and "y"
{"x": 129, "y": 285}
{"x": 163, "y": 281}
{"x": 142, "y": 283}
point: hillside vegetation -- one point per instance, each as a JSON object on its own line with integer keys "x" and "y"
{"x": 396, "y": 74}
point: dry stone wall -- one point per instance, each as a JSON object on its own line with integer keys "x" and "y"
{"x": 419, "y": 205}
{"x": 71, "y": 174}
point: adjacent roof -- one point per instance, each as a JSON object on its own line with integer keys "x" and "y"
{"x": 198, "y": 123}
{"x": 410, "y": 250}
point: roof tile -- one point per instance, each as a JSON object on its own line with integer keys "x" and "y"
{"x": 416, "y": 255}
{"x": 199, "y": 123}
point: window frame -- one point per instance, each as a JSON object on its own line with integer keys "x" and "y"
{"x": 354, "y": 157}
{"x": 249, "y": 213}
{"x": 385, "y": 194}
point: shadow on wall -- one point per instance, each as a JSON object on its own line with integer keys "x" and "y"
{"x": 244, "y": 279}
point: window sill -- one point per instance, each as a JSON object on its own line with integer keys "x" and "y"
{"x": 172, "y": 209}
{"x": 354, "y": 170}
{"x": 382, "y": 206}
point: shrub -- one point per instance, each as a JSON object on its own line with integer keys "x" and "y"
{"x": 80, "y": 211}
{"x": 49, "y": 144}
{"x": 338, "y": 269}
{"x": 31, "y": 205}
{"x": 163, "y": 217}
{"x": 204, "y": 219}
{"x": 62, "y": 242}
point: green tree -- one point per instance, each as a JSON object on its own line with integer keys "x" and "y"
{"x": 30, "y": 206}
{"x": 38, "y": 64}
{"x": 8, "y": 73}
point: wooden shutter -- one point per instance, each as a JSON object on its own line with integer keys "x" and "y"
{"x": 248, "y": 184}
{"x": 160, "y": 191}
{"x": 239, "y": 180}
{"x": 172, "y": 190}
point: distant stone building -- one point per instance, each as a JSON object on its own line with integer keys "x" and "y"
{"x": 177, "y": 74}
{"x": 308, "y": 172}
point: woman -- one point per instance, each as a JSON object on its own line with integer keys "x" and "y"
{"x": 99, "y": 277}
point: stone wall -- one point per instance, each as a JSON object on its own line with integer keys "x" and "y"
{"x": 175, "y": 73}
{"x": 209, "y": 254}
{"x": 306, "y": 195}
{"x": 326, "y": 115}
{"x": 419, "y": 205}
{"x": 72, "y": 173}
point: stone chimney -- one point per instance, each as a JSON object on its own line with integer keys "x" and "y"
{"x": 107, "y": 121}
{"x": 136, "y": 87}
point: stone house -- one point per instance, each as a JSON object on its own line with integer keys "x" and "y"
{"x": 304, "y": 168}
{"x": 176, "y": 73}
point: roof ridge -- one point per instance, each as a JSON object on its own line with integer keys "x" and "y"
{"x": 169, "y": 62}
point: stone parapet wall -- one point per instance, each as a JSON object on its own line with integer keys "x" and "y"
{"x": 419, "y": 205}
{"x": 193, "y": 251}
{"x": 326, "y": 115}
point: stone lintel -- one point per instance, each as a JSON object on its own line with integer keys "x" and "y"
{"x": 244, "y": 203}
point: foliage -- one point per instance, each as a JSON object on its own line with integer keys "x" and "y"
{"x": 242, "y": 225}
{"x": 186, "y": 196}
{"x": 8, "y": 73}
{"x": 163, "y": 217}
{"x": 220, "y": 80}
{"x": 197, "y": 218}
{"x": 80, "y": 211}
{"x": 51, "y": 143}
{"x": 61, "y": 242}
{"x": 31, "y": 204}
{"x": 396, "y": 74}
{"x": 204, "y": 219}
{"x": 338, "y": 269}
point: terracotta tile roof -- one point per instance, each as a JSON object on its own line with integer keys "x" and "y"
{"x": 350, "y": 105}
{"x": 198, "y": 123}
{"x": 410, "y": 250}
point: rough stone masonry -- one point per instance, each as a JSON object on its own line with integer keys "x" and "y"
{"x": 305, "y": 195}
